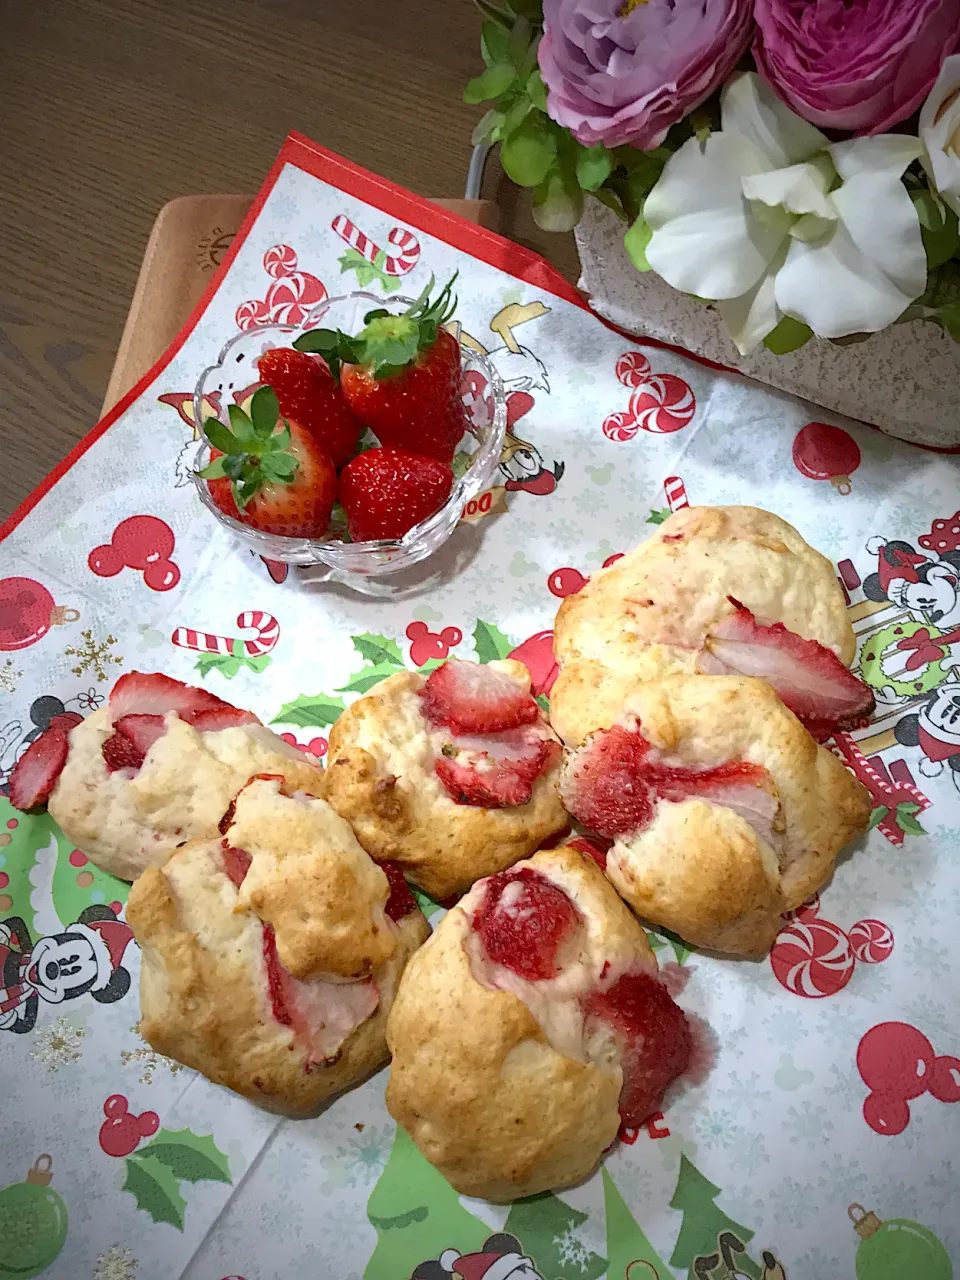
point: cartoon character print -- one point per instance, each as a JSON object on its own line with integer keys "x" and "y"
{"x": 925, "y": 583}
{"x": 935, "y": 729}
{"x": 84, "y": 959}
{"x": 500, "y": 1258}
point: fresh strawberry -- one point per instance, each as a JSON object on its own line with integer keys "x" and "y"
{"x": 402, "y": 377}
{"x": 35, "y": 774}
{"x": 808, "y": 677}
{"x": 133, "y": 736}
{"x": 224, "y": 717}
{"x": 401, "y": 901}
{"x": 309, "y": 394}
{"x": 385, "y": 492}
{"x": 654, "y": 1038}
{"x": 484, "y": 779}
{"x": 145, "y": 693}
{"x": 523, "y": 921}
{"x": 236, "y": 863}
{"x": 269, "y": 473}
{"x": 469, "y": 697}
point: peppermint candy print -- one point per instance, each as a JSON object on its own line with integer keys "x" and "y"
{"x": 620, "y": 426}
{"x": 633, "y": 368}
{"x": 291, "y": 297}
{"x": 661, "y": 403}
{"x": 812, "y": 958}
{"x": 871, "y": 941}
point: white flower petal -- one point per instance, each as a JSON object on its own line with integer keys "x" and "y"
{"x": 886, "y": 153}
{"x": 882, "y": 222}
{"x": 750, "y": 108}
{"x": 799, "y": 188}
{"x": 753, "y": 315}
{"x": 940, "y": 133}
{"x": 704, "y": 240}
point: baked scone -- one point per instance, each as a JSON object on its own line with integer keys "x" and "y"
{"x": 716, "y": 590}
{"x": 157, "y": 765}
{"x": 528, "y": 1027}
{"x": 723, "y": 810}
{"x": 452, "y": 775}
{"x": 281, "y": 998}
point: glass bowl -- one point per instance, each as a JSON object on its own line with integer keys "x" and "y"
{"x": 234, "y": 376}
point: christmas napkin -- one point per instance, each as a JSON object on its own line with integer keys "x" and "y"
{"x": 823, "y": 1142}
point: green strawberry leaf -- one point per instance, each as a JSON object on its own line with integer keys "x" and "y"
{"x": 365, "y": 680}
{"x": 242, "y": 426}
{"x": 220, "y": 437}
{"x": 264, "y": 412}
{"x": 490, "y": 642}
{"x": 374, "y": 648}
{"x": 657, "y": 515}
{"x": 154, "y": 1187}
{"x": 213, "y": 471}
{"x": 194, "y": 1157}
{"x": 907, "y": 822}
{"x": 307, "y": 711}
{"x": 543, "y": 702}
{"x": 877, "y": 815}
{"x": 322, "y": 340}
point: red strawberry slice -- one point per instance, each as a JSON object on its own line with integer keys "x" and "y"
{"x": 224, "y": 717}
{"x": 401, "y": 901}
{"x": 605, "y": 784}
{"x": 654, "y": 1038}
{"x": 143, "y": 731}
{"x": 36, "y": 772}
{"x": 468, "y": 697}
{"x": 523, "y": 921}
{"x": 143, "y": 693}
{"x": 485, "y": 780}
{"x": 236, "y": 863}
{"x": 808, "y": 677}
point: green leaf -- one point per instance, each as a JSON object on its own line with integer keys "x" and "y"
{"x": 515, "y": 117}
{"x": 487, "y": 128}
{"x": 558, "y": 200}
{"x": 264, "y": 412}
{"x": 363, "y": 681}
{"x": 536, "y": 90}
{"x": 490, "y": 84}
{"x": 877, "y": 815}
{"x": 260, "y": 663}
{"x": 241, "y": 424}
{"x": 194, "y": 1157}
{"x": 155, "y": 1189}
{"x": 213, "y": 471}
{"x": 280, "y": 468}
{"x": 529, "y": 152}
{"x": 635, "y": 242}
{"x": 309, "y": 710}
{"x": 680, "y": 948}
{"x": 220, "y": 437}
{"x": 594, "y": 165}
{"x": 377, "y": 649}
{"x": 532, "y": 10}
{"x": 494, "y": 40}
{"x": 938, "y": 226}
{"x": 543, "y": 702}
{"x": 234, "y": 464}
{"x": 322, "y": 340}
{"x": 427, "y": 905}
{"x": 657, "y": 515}
{"x": 789, "y": 335}
{"x": 489, "y": 642}
{"x": 906, "y": 820}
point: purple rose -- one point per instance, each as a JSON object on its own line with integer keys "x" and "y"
{"x": 862, "y": 66}
{"x": 620, "y": 71}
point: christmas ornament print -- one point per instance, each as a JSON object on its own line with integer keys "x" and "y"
{"x": 663, "y": 404}
{"x": 566, "y": 582}
{"x": 822, "y": 452}
{"x": 33, "y": 1222}
{"x": 144, "y": 543}
{"x": 27, "y": 612}
{"x": 897, "y": 1249}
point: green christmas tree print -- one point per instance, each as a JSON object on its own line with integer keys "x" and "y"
{"x": 547, "y": 1230}
{"x": 416, "y": 1215}
{"x": 707, "y": 1236}
{"x": 631, "y": 1255}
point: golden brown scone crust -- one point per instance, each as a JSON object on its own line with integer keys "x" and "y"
{"x": 380, "y": 777}
{"x": 312, "y": 881}
{"x": 646, "y": 616}
{"x": 475, "y": 1081}
{"x": 204, "y": 995}
{"x": 701, "y": 869}
{"x": 180, "y": 793}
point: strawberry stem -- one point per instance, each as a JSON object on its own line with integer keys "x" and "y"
{"x": 254, "y": 450}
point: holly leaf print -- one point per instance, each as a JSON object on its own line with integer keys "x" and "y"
{"x": 194, "y": 1157}
{"x": 490, "y": 642}
{"x": 543, "y": 702}
{"x": 308, "y": 710}
{"x": 154, "y": 1187}
{"x": 229, "y": 666}
{"x": 378, "y": 649}
{"x": 429, "y": 906}
{"x": 907, "y": 821}
{"x": 657, "y": 516}
{"x": 366, "y": 679}
{"x": 877, "y": 815}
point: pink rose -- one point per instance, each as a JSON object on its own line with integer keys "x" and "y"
{"x": 861, "y": 65}
{"x": 624, "y": 71}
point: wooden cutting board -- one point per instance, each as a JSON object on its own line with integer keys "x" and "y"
{"x": 189, "y": 240}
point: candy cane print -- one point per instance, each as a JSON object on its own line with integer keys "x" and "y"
{"x": 396, "y": 264}
{"x": 265, "y": 625}
{"x": 675, "y": 493}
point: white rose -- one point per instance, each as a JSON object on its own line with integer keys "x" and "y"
{"x": 940, "y": 133}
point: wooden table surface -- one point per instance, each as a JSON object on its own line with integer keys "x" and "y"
{"x": 111, "y": 108}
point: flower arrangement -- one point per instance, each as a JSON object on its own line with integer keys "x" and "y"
{"x": 795, "y": 163}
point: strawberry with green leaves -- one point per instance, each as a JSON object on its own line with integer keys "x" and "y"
{"x": 401, "y": 374}
{"x": 385, "y": 492}
{"x": 308, "y": 393}
{"x": 270, "y": 473}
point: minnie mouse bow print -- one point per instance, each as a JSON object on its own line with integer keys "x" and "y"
{"x": 85, "y": 958}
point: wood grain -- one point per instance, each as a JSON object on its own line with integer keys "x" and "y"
{"x": 112, "y": 108}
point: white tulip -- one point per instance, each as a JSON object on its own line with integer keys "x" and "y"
{"x": 768, "y": 218}
{"x": 940, "y": 133}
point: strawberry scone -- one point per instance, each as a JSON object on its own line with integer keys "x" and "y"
{"x": 272, "y": 953}
{"x": 452, "y": 775}
{"x": 529, "y": 1027}
{"x": 715, "y": 591}
{"x": 722, "y": 810}
{"x": 153, "y": 768}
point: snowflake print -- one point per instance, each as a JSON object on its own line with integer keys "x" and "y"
{"x": 715, "y": 1128}
{"x": 807, "y": 1123}
{"x": 926, "y": 959}
{"x": 116, "y": 1264}
{"x": 366, "y": 1155}
{"x": 929, "y": 1015}
{"x": 151, "y": 1060}
{"x": 90, "y": 700}
{"x": 744, "y": 1091}
{"x": 57, "y": 1045}
{"x": 571, "y": 1249}
{"x": 93, "y": 656}
{"x": 9, "y": 677}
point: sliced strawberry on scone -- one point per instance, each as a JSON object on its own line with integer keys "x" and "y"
{"x": 467, "y": 697}
{"x": 605, "y": 784}
{"x": 35, "y": 774}
{"x": 154, "y": 694}
{"x": 500, "y": 774}
{"x": 524, "y": 922}
{"x": 808, "y": 677}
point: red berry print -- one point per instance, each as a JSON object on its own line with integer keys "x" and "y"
{"x": 617, "y": 555}
{"x": 566, "y": 582}
{"x": 315, "y": 747}
{"x": 143, "y": 543}
{"x": 148, "y": 1122}
{"x": 895, "y": 1058}
{"x": 122, "y": 1132}
{"x": 27, "y": 612}
{"x": 886, "y": 1113}
{"x": 822, "y": 452}
{"x": 945, "y": 1079}
{"x": 427, "y": 645}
